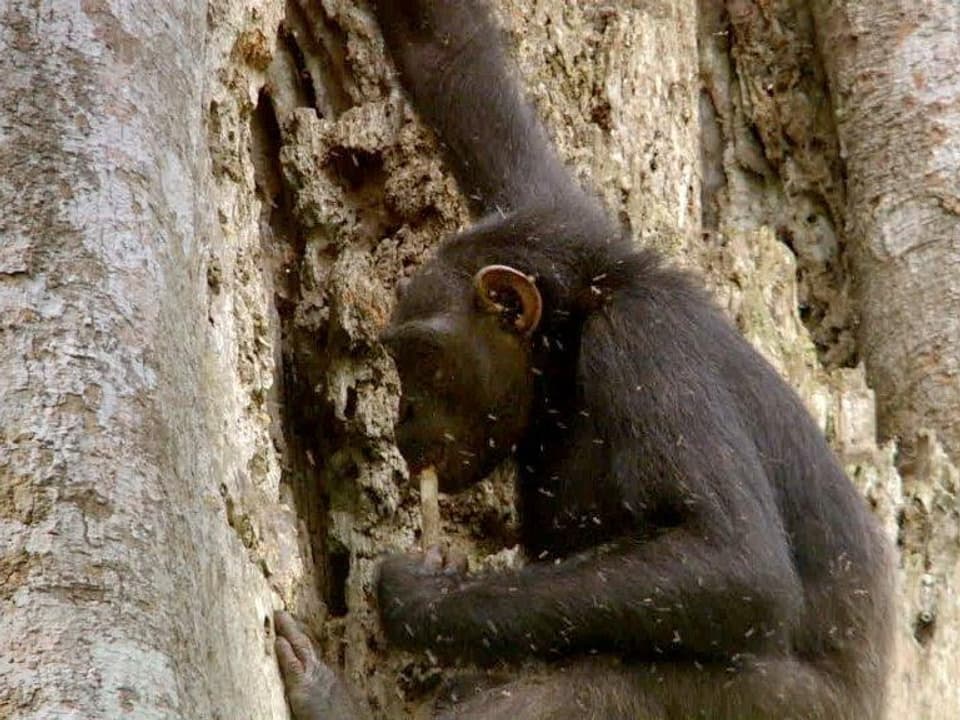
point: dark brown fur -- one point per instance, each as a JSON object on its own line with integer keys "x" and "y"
{"x": 700, "y": 553}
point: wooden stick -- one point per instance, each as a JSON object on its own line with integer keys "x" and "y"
{"x": 429, "y": 508}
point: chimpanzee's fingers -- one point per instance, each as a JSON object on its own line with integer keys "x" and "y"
{"x": 290, "y": 666}
{"x": 289, "y": 631}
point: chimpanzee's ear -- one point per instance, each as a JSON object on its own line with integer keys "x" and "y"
{"x": 508, "y": 292}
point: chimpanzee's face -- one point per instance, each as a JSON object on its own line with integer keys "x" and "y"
{"x": 462, "y": 349}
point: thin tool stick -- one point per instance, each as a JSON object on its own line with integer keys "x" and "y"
{"x": 429, "y": 508}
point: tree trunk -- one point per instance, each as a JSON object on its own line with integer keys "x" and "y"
{"x": 207, "y": 209}
{"x": 894, "y": 72}
{"x": 124, "y": 590}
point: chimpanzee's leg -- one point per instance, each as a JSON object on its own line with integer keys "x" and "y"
{"x": 773, "y": 689}
{"x": 315, "y": 692}
{"x": 591, "y": 689}
{"x": 594, "y": 689}
{"x": 778, "y": 688}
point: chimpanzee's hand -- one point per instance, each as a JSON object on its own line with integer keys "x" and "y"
{"x": 409, "y": 588}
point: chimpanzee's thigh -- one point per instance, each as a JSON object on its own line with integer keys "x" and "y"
{"x": 591, "y": 689}
{"x": 779, "y": 688}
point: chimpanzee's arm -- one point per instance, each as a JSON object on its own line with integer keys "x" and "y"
{"x": 703, "y": 567}
{"x": 696, "y": 589}
{"x": 451, "y": 61}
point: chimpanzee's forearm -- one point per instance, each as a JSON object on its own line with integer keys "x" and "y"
{"x": 655, "y": 598}
{"x": 452, "y": 64}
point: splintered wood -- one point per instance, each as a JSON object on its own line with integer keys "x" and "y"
{"x": 429, "y": 508}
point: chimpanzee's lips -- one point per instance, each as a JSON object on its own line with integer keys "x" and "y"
{"x": 418, "y": 466}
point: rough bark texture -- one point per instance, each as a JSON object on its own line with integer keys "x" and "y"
{"x": 205, "y": 218}
{"x": 894, "y": 72}
{"x": 124, "y": 430}
{"x": 776, "y": 130}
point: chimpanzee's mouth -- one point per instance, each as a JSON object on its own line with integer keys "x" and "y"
{"x": 417, "y": 454}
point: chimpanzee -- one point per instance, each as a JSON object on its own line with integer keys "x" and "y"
{"x": 697, "y": 552}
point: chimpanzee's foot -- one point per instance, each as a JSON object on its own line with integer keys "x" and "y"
{"x": 313, "y": 689}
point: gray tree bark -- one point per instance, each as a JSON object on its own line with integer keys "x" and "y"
{"x": 123, "y": 589}
{"x": 894, "y": 72}
{"x": 207, "y": 208}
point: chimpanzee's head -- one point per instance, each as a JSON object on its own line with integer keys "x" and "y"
{"x": 461, "y": 341}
